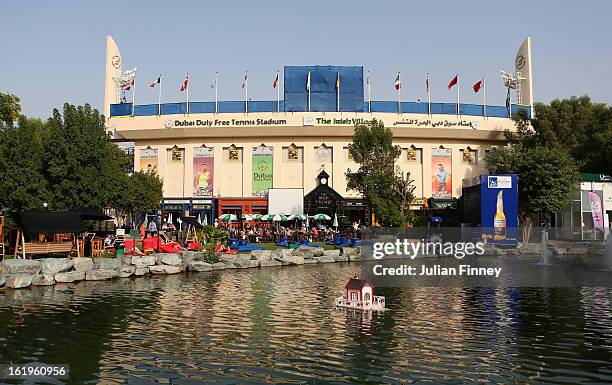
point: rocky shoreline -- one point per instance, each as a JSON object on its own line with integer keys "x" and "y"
{"x": 24, "y": 273}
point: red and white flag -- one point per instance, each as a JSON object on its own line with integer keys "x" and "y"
{"x": 152, "y": 85}
{"x": 185, "y": 84}
{"x": 398, "y": 83}
{"x": 477, "y": 86}
{"x": 129, "y": 86}
{"x": 453, "y": 82}
{"x": 275, "y": 84}
{"x": 427, "y": 83}
{"x": 245, "y": 82}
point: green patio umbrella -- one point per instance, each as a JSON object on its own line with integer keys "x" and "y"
{"x": 256, "y": 217}
{"x": 321, "y": 217}
{"x": 275, "y": 217}
{"x": 228, "y": 217}
{"x": 247, "y": 217}
{"x": 297, "y": 217}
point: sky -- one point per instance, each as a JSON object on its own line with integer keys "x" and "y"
{"x": 54, "y": 51}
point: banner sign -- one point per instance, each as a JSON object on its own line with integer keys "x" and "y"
{"x": 262, "y": 169}
{"x": 441, "y": 182}
{"x": 148, "y": 160}
{"x": 203, "y": 167}
{"x": 499, "y": 208}
{"x": 596, "y": 211}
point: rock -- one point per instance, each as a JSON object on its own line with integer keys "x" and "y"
{"x": 577, "y": 250}
{"x": 199, "y": 266}
{"x": 243, "y": 261}
{"x": 269, "y": 263}
{"x": 199, "y": 256}
{"x": 348, "y": 251}
{"x": 43, "y": 280}
{"x": 52, "y": 266}
{"x": 18, "y": 281}
{"x": 127, "y": 271}
{"x": 229, "y": 259}
{"x": 310, "y": 261}
{"x": 187, "y": 256}
{"x": 308, "y": 252}
{"x": 219, "y": 266}
{"x": 143, "y": 260}
{"x": 83, "y": 264}
{"x": 292, "y": 260}
{"x": 100, "y": 274}
{"x": 530, "y": 248}
{"x": 281, "y": 252}
{"x": 164, "y": 269}
{"x": 355, "y": 258}
{"x": 325, "y": 259}
{"x": 262, "y": 255}
{"x": 341, "y": 258}
{"x": 141, "y": 270}
{"x": 170, "y": 260}
{"x": 332, "y": 253}
{"x": 253, "y": 263}
{"x": 70, "y": 276}
{"x": 20, "y": 266}
{"x": 107, "y": 264}
{"x": 2, "y": 279}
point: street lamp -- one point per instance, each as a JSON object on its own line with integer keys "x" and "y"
{"x": 45, "y": 205}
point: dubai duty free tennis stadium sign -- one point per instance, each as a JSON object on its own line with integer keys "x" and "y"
{"x": 179, "y": 123}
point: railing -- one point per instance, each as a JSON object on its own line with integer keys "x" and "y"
{"x": 125, "y": 109}
{"x": 378, "y": 302}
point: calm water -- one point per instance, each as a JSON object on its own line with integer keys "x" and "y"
{"x": 278, "y": 325}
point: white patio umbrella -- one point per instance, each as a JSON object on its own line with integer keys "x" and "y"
{"x": 335, "y": 224}
{"x": 321, "y": 217}
{"x": 205, "y": 220}
{"x": 228, "y": 217}
{"x": 170, "y": 218}
{"x": 199, "y": 218}
{"x": 298, "y": 217}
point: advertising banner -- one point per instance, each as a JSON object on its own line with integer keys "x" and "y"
{"x": 499, "y": 208}
{"x": 596, "y": 211}
{"x": 262, "y": 170}
{"x": 441, "y": 165}
{"x": 148, "y": 160}
{"x": 203, "y": 167}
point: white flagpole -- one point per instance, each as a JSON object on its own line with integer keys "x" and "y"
{"x": 369, "y": 94}
{"x": 246, "y": 92}
{"x": 399, "y": 95}
{"x": 134, "y": 96}
{"x": 187, "y": 90}
{"x": 484, "y": 96}
{"x": 159, "y": 97}
{"x": 428, "y": 96}
{"x": 338, "y": 91}
{"x": 278, "y": 91}
{"x": 216, "y": 92}
{"x": 308, "y": 84}
{"x": 457, "y": 94}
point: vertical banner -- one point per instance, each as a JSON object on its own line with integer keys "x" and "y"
{"x": 148, "y": 160}
{"x": 203, "y": 167}
{"x": 596, "y": 212}
{"x": 441, "y": 182}
{"x": 262, "y": 170}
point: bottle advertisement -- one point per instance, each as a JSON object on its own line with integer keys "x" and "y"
{"x": 499, "y": 209}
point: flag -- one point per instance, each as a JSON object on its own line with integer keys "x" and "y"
{"x": 185, "y": 84}
{"x": 338, "y": 80}
{"x": 453, "y": 82}
{"x": 477, "y": 86}
{"x": 275, "y": 84}
{"x": 508, "y": 102}
{"x": 398, "y": 83}
{"x": 152, "y": 85}
{"x": 129, "y": 86}
{"x": 245, "y": 82}
{"x": 427, "y": 83}
{"x": 308, "y": 82}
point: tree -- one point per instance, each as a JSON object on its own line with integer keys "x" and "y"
{"x": 376, "y": 179}
{"x": 404, "y": 187}
{"x": 82, "y": 166}
{"x": 142, "y": 193}
{"x": 547, "y": 178}
{"x": 10, "y": 109}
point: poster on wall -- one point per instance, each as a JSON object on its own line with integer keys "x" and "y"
{"x": 499, "y": 208}
{"x": 262, "y": 170}
{"x": 441, "y": 182}
{"x": 148, "y": 160}
{"x": 203, "y": 167}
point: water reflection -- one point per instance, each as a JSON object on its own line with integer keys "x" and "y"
{"x": 278, "y": 325}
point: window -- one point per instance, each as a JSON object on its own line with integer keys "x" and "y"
{"x": 324, "y": 154}
{"x": 232, "y": 154}
{"x": 176, "y": 155}
{"x": 413, "y": 155}
{"x": 347, "y": 155}
{"x": 293, "y": 154}
{"x": 469, "y": 156}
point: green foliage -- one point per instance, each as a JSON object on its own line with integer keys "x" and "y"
{"x": 10, "y": 109}
{"x": 214, "y": 235}
{"x": 142, "y": 192}
{"x": 377, "y": 179}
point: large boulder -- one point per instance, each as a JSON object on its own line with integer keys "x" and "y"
{"x": 269, "y": 263}
{"x": 219, "y": 266}
{"x": 2, "y": 279}
{"x": 20, "y": 266}
{"x": 164, "y": 269}
{"x": 43, "y": 280}
{"x": 141, "y": 270}
{"x": 18, "y": 281}
{"x": 355, "y": 258}
{"x": 243, "y": 261}
{"x": 126, "y": 271}
{"x": 348, "y": 251}
{"x": 325, "y": 259}
{"x": 291, "y": 260}
{"x": 332, "y": 253}
{"x": 199, "y": 256}
{"x": 100, "y": 274}
{"x": 187, "y": 256}
{"x": 52, "y": 266}
{"x": 108, "y": 264}
{"x": 310, "y": 261}
{"x": 170, "y": 260}
{"x": 82, "y": 264}
{"x": 308, "y": 252}
{"x": 199, "y": 266}
{"x": 228, "y": 259}
{"x": 262, "y": 255}
{"x": 70, "y": 276}
{"x": 341, "y": 258}
{"x": 143, "y": 260}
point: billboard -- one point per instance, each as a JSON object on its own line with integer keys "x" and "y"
{"x": 203, "y": 171}
{"x": 441, "y": 166}
{"x": 148, "y": 160}
{"x": 499, "y": 208}
{"x": 286, "y": 201}
{"x": 262, "y": 170}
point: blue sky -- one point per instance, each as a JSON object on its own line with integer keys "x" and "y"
{"x": 53, "y": 51}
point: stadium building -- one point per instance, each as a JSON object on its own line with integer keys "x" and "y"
{"x": 223, "y": 156}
